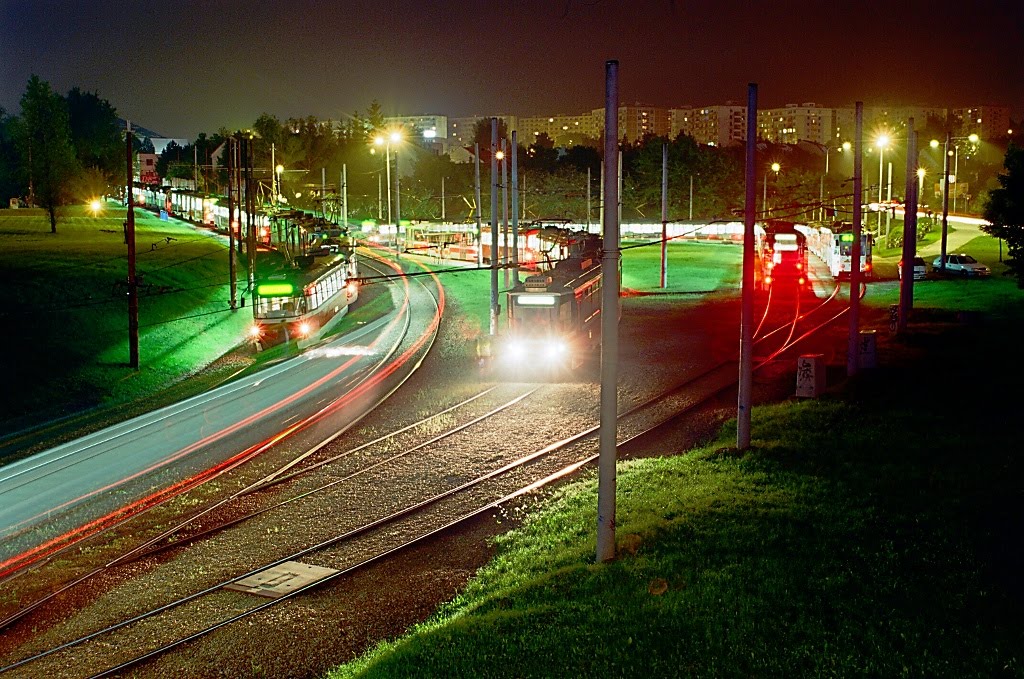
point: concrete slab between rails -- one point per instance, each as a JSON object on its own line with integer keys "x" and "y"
{"x": 282, "y": 579}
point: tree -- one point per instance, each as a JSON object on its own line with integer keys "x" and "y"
{"x": 94, "y": 131}
{"x": 10, "y": 184}
{"x": 47, "y": 152}
{"x": 1004, "y": 209}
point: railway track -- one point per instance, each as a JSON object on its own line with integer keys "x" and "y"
{"x": 453, "y": 498}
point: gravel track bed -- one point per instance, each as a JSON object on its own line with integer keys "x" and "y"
{"x": 304, "y": 637}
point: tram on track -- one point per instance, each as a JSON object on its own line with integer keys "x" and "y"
{"x": 300, "y": 304}
{"x": 782, "y": 252}
{"x": 554, "y": 315}
{"x": 833, "y": 245}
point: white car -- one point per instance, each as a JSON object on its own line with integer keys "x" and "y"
{"x": 920, "y": 270}
{"x": 961, "y": 264}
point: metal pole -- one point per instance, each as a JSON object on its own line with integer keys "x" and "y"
{"x": 398, "y": 210}
{"x": 588, "y": 200}
{"x": 494, "y": 226}
{"x": 888, "y": 198}
{"x": 853, "y": 344}
{"x": 744, "y": 397}
{"x": 609, "y": 325}
{"x": 133, "y": 283}
{"x": 881, "y": 155}
{"x": 231, "y": 219}
{"x": 344, "y": 194}
{"x": 691, "y": 197}
{"x": 275, "y": 178}
{"x": 956, "y": 173}
{"x": 504, "y": 213}
{"x": 387, "y": 171}
{"x": 945, "y": 200}
{"x": 442, "y": 199}
{"x": 664, "y": 215}
{"x": 515, "y": 209}
{"x": 479, "y": 226}
{"x": 764, "y": 196}
{"x": 909, "y": 232}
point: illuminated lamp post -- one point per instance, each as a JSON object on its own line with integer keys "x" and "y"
{"x": 775, "y": 167}
{"x": 381, "y": 140}
{"x": 279, "y": 170}
{"x": 882, "y": 142}
{"x": 946, "y": 181}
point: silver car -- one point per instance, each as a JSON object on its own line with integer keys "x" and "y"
{"x": 962, "y": 265}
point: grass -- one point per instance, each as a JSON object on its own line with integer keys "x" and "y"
{"x": 68, "y": 326}
{"x": 873, "y": 532}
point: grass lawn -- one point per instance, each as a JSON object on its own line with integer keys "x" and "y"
{"x": 873, "y": 532}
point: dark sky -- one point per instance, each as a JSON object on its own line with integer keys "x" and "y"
{"x": 181, "y": 67}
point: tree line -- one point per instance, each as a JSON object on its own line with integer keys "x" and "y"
{"x": 70, "y": 148}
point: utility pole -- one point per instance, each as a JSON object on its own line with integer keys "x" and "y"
{"x": 494, "y": 227}
{"x": 442, "y": 199}
{"x": 231, "y": 221}
{"x": 515, "y": 210}
{"x": 588, "y": 200}
{"x": 344, "y": 194}
{"x": 853, "y": 343}
{"x": 607, "y": 436}
{"x": 504, "y": 213}
{"x": 398, "y": 210}
{"x": 479, "y": 225}
{"x": 664, "y": 215}
{"x": 250, "y": 207}
{"x": 133, "y": 282}
{"x": 909, "y": 232}
{"x": 746, "y": 381}
{"x": 945, "y": 198}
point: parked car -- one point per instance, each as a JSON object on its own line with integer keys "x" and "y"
{"x": 961, "y": 264}
{"x": 920, "y": 271}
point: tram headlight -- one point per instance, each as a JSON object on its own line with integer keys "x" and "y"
{"x": 305, "y": 328}
{"x": 255, "y": 331}
{"x": 555, "y": 350}
{"x": 515, "y": 350}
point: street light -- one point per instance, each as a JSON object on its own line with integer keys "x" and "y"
{"x": 946, "y": 180}
{"x": 882, "y": 142}
{"x": 775, "y": 167}
{"x": 279, "y": 170}
{"x": 381, "y": 140}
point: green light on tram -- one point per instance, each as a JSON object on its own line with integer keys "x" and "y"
{"x": 275, "y": 289}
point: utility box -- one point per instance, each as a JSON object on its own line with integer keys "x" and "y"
{"x": 868, "y": 344}
{"x": 810, "y": 375}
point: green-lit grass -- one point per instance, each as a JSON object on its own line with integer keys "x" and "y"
{"x": 67, "y": 330}
{"x": 875, "y": 534}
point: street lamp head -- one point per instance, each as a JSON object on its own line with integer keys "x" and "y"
{"x": 279, "y": 169}
{"x": 973, "y": 138}
{"x": 396, "y": 137}
{"x": 921, "y": 173}
{"x": 883, "y": 141}
{"x": 378, "y": 140}
{"x": 500, "y": 155}
{"x": 934, "y": 143}
{"x": 846, "y": 146}
{"x": 776, "y": 167}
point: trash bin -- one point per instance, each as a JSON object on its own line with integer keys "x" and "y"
{"x": 868, "y": 343}
{"x": 810, "y": 375}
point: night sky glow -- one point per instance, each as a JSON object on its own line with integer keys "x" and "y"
{"x": 181, "y": 67}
